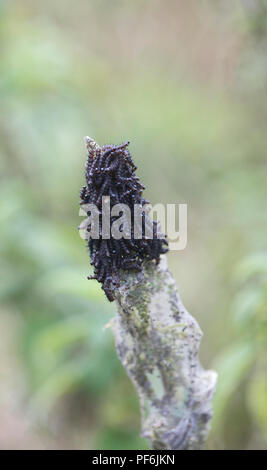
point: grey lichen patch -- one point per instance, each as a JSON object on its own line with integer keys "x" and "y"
{"x": 158, "y": 341}
{"x": 156, "y": 382}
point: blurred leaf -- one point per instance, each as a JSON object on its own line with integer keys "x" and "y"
{"x": 257, "y": 400}
{"x": 247, "y": 305}
{"x": 251, "y": 266}
{"x": 232, "y": 366}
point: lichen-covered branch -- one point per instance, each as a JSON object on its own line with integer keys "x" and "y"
{"x": 157, "y": 341}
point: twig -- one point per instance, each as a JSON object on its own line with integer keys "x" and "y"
{"x": 157, "y": 341}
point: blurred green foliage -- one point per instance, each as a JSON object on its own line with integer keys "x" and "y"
{"x": 242, "y": 366}
{"x": 185, "y": 85}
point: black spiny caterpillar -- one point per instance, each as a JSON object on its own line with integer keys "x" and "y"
{"x": 110, "y": 171}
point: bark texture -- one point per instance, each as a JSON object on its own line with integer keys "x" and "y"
{"x": 157, "y": 341}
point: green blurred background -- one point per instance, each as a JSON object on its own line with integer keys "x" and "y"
{"x": 185, "y": 82}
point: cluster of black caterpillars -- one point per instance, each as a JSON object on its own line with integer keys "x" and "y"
{"x": 110, "y": 171}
